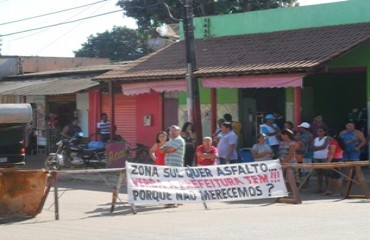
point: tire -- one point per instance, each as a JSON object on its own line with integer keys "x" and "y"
{"x": 66, "y": 159}
{"x": 51, "y": 163}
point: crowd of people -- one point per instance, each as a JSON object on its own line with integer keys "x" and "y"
{"x": 221, "y": 148}
{"x": 311, "y": 142}
{"x": 307, "y": 143}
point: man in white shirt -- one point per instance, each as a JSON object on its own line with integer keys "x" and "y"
{"x": 103, "y": 127}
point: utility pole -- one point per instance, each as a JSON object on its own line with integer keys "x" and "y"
{"x": 193, "y": 100}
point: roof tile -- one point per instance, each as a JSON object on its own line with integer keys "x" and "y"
{"x": 284, "y": 51}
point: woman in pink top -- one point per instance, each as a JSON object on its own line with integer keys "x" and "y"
{"x": 335, "y": 154}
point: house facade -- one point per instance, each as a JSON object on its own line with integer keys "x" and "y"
{"x": 350, "y": 62}
{"x": 298, "y": 61}
{"x": 56, "y": 97}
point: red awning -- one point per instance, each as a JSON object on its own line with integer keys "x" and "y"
{"x": 263, "y": 81}
{"x": 158, "y": 86}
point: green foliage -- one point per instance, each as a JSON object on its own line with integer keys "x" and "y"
{"x": 120, "y": 44}
{"x": 151, "y": 13}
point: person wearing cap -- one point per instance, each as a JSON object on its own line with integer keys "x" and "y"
{"x": 305, "y": 137}
{"x": 272, "y": 131}
{"x": 174, "y": 149}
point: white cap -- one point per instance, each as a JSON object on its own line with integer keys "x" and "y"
{"x": 304, "y": 125}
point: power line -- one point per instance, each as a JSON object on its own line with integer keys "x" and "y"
{"x": 43, "y": 30}
{"x": 64, "y": 34}
{"x": 47, "y": 14}
{"x": 58, "y": 24}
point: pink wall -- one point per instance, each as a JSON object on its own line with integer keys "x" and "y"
{"x": 94, "y": 110}
{"x": 149, "y": 104}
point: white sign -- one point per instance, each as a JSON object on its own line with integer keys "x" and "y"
{"x": 148, "y": 184}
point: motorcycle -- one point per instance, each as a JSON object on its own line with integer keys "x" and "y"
{"x": 72, "y": 153}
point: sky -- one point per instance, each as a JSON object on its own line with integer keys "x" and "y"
{"x": 61, "y": 41}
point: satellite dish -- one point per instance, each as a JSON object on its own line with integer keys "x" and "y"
{"x": 170, "y": 31}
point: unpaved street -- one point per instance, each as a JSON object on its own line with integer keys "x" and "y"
{"x": 85, "y": 205}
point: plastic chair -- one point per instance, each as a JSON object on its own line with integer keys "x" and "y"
{"x": 40, "y": 145}
{"x": 246, "y": 155}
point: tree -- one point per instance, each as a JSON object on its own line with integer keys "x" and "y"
{"x": 152, "y": 13}
{"x": 120, "y": 44}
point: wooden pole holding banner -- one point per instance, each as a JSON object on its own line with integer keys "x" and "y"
{"x": 116, "y": 190}
{"x": 291, "y": 184}
{"x": 56, "y": 201}
{"x": 204, "y": 201}
{"x": 50, "y": 182}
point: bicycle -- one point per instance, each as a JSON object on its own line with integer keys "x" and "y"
{"x": 139, "y": 154}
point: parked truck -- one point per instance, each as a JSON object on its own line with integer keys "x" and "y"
{"x": 13, "y": 122}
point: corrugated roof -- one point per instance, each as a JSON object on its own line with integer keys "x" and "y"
{"x": 46, "y": 86}
{"x": 276, "y": 52}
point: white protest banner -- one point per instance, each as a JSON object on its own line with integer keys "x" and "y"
{"x": 148, "y": 184}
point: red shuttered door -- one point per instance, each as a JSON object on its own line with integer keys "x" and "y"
{"x": 124, "y": 115}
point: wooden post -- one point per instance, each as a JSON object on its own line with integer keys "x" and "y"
{"x": 111, "y": 108}
{"x": 117, "y": 189}
{"x": 213, "y": 110}
{"x": 297, "y": 106}
{"x": 349, "y": 183}
{"x": 361, "y": 178}
{"x": 356, "y": 176}
{"x": 50, "y": 182}
{"x": 291, "y": 184}
{"x": 56, "y": 201}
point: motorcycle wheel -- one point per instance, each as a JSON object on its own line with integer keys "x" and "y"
{"x": 66, "y": 159}
{"x": 51, "y": 163}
